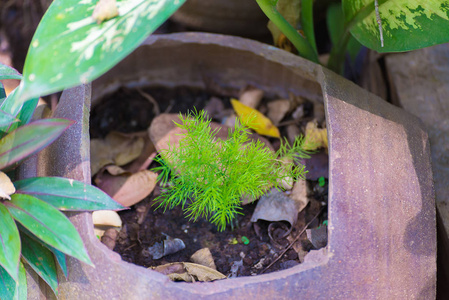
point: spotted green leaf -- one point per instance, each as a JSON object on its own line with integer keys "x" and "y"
{"x": 48, "y": 224}
{"x": 41, "y": 260}
{"x": 9, "y": 243}
{"x": 30, "y": 139}
{"x": 405, "y": 24}
{"x": 75, "y": 49}
{"x": 66, "y": 194}
{"x": 60, "y": 257}
{"x": 7, "y": 72}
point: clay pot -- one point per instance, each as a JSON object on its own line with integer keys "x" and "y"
{"x": 236, "y": 17}
{"x": 382, "y": 239}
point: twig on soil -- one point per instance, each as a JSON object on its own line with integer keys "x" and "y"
{"x": 294, "y": 241}
{"x": 156, "y": 109}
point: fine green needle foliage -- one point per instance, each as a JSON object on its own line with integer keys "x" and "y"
{"x": 209, "y": 176}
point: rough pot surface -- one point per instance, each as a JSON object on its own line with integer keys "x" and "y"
{"x": 382, "y": 240}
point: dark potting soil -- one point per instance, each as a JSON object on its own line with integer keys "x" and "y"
{"x": 246, "y": 249}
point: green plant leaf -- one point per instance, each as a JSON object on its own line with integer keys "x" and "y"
{"x": 2, "y": 92}
{"x": 41, "y": 260}
{"x": 335, "y": 26}
{"x": 6, "y": 119}
{"x": 9, "y": 243}
{"x": 7, "y": 285}
{"x": 48, "y": 224}
{"x": 406, "y": 25}
{"x": 10, "y": 289}
{"x": 66, "y": 194}
{"x": 7, "y": 72}
{"x": 60, "y": 257}
{"x": 75, "y": 49}
{"x": 21, "y": 288}
{"x": 30, "y": 139}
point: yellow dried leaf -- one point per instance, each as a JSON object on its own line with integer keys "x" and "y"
{"x": 261, "y": 124}
{"x": 315, "y": 137}
{"x": 105, "y": 10}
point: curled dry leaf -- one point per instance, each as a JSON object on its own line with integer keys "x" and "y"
{"x": 276, "y": 206}
{"x": 105, "y": 219}
{"x": 277, "y": 110}
{"x": 204, "y": 257}
{"x": 117, "y": 148}
{"x": 189, "y": 272}
{"x": 6, "y": 186}
{"x": 166, "y": 247}
{"x": 124, "y": 187}
{"x": 251, "y": 97}
{"x": 315, "y": 137}
{"x": 299, "y": 195}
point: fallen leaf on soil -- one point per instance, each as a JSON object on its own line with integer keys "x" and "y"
{"x": 204, "y": 257}
{"x": 109, "y": 238}
{"x": 318, "y": 112}
{"x": 124, "y": 187}
{"x": 105, "y": 219}
{"x": 6, "y": 186}
{"x": 276, "y": 206}
{"x": 287, "y": 182}
{"x": 146, "y": 156}
{"x": 251, "y": 97}
{"x": 189, "y": 272}
{"x": 317, "y": 236}
{"x": 278, "y": 109}
{"x": 117, "y": 148}
{"x": 299, "y": 195}
{"x": 261, "y": 124}
{"x": 168, "y": 246}
{"x": 315, "y": 137}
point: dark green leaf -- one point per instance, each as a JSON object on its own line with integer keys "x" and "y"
{"x": 41, "y": 260}
{"x": 75, "y": 49}
{"x": 48, "y": 224}
{"x": 9, "y": 243}
{"x": 30, "y": 139}
{"x": 8, "y": 73}
{"x": 60, "y": 257}
{"x": 335, "y": 26}
{"x": 2, "y": 93}
{"x": 405, "y": 25}
{"x": 7, "y": 285}
{"x": 66, "y": 194}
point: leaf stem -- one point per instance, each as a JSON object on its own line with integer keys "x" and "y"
{"x": 307, "y": 22}
{"x": 337, "y": 55}
{"x": 302, "y": 44}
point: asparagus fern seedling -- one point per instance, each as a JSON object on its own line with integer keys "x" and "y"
{"x": 208, "y": 176}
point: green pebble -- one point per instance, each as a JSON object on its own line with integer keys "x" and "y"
{"x": 245, "y": 240}
{"x": 321, "y": 181}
